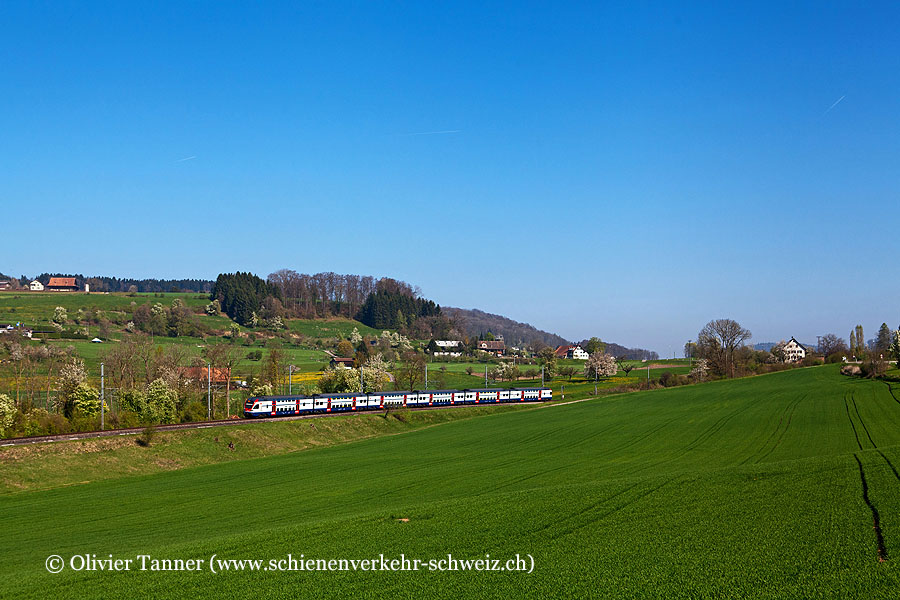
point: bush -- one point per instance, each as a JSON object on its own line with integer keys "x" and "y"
{"x": 192, "y": 412}
{"x": 837, "y": 357}
{"x": 146, "y": 436}
{"x": 873, "y": 367}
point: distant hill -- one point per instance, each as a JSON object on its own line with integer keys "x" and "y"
{"x": 620, "y": 351}
{"x": 475, "y": 322}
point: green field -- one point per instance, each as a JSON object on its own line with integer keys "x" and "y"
{"x": 761, "y": 487}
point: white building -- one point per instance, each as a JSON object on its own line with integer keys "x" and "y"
{"x": 448, "y": 348}
{"x": 36, "y": 286}
{"x": 794, "y": 351}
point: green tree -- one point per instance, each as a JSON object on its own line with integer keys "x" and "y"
{"x": 339, "y": 381}
{"x": 345, "y": 349}
{"x": 594, "y": 345}
{"x": 883, "y": 341}
{"x": 547, "y": 358}
{"x": 85, "y": 400}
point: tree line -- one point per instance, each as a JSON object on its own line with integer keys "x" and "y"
{"x": 117, "y": 284}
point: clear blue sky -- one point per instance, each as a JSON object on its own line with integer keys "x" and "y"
{"x": 629, "y": 171}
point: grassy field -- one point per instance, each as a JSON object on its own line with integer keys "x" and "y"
{"x": 761, "y": 487}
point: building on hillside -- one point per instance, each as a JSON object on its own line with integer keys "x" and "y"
{"x": 576, "y": 352}
{"x": 493, "y": 346}
{"x": 448, "y": 348}
{"x": 794, "y": 351}
{"x": 341, "y": 363}
{"x": 36, "y": 286}
{"x": 217, "y": 375}
{"x": 62, "y": 284}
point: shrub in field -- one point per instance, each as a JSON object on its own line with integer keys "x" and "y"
{"x": 192, "y": 412}
{"x": 146, "y": 436}
{"x": 873, "y": 367}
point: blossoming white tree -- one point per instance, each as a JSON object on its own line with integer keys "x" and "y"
{"x": 600, "y": 364}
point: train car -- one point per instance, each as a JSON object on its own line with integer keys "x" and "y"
{"x": 486, "y": 395}
{"x": 282, "y": 406}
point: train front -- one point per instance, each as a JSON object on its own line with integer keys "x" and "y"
{"x": 251, "y": 408}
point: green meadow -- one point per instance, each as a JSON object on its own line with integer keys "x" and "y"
{"x": 779, "y": 486}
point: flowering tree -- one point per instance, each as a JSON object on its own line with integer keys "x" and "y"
{"x": 376, "y": 374}
{"x": 213, "y": 308}
{"x": 355, "y": 336}
{"x": 700, "y": 370}
{"x": 160, "y": 403}
{"x": 600, "y": 364}
{"x": 60, "y": 315}
{"x": 895, "y": 345}
{"x": 7, "y": 411}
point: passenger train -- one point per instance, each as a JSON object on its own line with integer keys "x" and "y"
{"x": 283, "y": 406}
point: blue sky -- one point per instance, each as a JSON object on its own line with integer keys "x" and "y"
{"x": 623, "y": 170}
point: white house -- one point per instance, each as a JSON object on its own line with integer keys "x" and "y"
{"x": 576, "y": 352}
{"x": 794, "y": 351}
{"x": 36, "y": 286}
{"x": 448, "y": 348}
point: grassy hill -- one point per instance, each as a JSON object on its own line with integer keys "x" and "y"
{"x": 761, "y": 487}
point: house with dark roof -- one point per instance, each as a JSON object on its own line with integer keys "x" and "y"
{"x": 341, "y": 363}
{"x": 492, "y": 346}
{"x": 62, "y": 284}
{"x": 794, "y": 351}
{"x": 5, "y": 285}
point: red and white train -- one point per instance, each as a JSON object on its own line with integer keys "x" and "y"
{"x": 283, "y": 406}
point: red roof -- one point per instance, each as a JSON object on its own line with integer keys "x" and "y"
{"x": 563, "y": 351}
{"x": 62, "y": 282}
{"x": 218, "y": 374}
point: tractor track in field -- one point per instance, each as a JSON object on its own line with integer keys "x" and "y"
{"x": 890, "y": 464}
{"x": 863, "y": 423}
{"x": 84, "y": 435}
{"x": 701, "y": 438}
{"x": 876, "y": 518}
{"x": 891, "y": 391}
{"x": 852, "y": 424}
{"x": 574, "y": 527}
{"x": 792, "y": 408}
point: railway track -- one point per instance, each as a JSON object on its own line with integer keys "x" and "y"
{"x": 66, "y": 437}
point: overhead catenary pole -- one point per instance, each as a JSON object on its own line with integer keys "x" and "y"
{"x": 542, "y": 375}
{"x": 208, "y": 392}
{"x": 485, "y": 375}
{"x": 426, "y": 376}
{"x": 290, "y": 379}
{"x": 102, "y": 396}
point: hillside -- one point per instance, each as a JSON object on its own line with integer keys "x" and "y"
{"x": 761, "y": 487}
{"x": 476, "y": 322}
